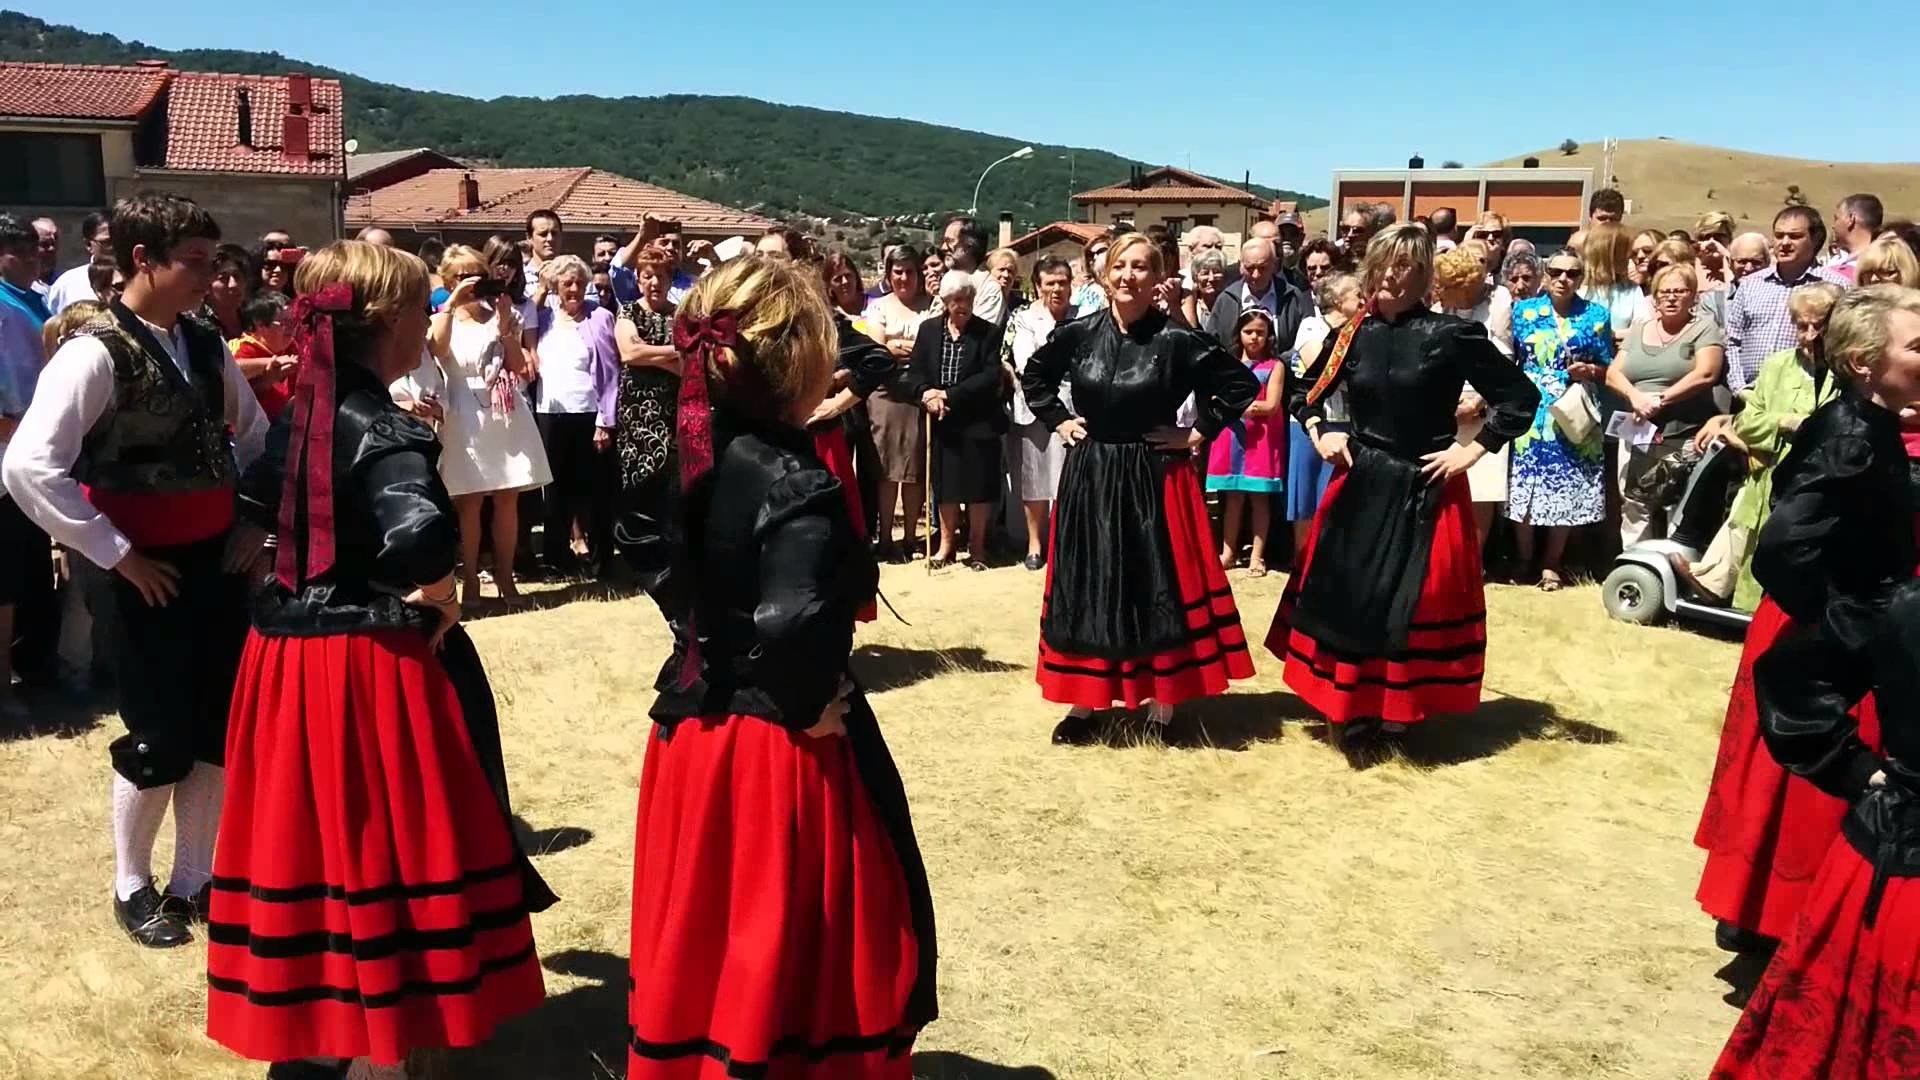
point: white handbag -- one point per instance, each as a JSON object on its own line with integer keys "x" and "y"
{"x": 1577, "y": 415}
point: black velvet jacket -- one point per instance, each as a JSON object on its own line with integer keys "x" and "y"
{"x": 1127, "y": 384}
{"x": 975, "y": 408}
{"x": 1403, "y": 379}
{"x": 775, "y": 577}
{"x": 394, "y": 526}
{"x": 1838, "y": 554}
{"x": 868, "y": 364}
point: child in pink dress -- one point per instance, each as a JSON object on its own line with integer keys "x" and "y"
{"x": 1249, "y": 465}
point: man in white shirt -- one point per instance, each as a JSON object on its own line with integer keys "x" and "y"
{"x": 544, "y": 233}
{"x": 73, "y": 286}
{"x": 1259, "y": 286}
{"x": 124, "y": 456}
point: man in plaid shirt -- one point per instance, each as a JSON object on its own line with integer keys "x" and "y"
{"x": 1757, "y": 321}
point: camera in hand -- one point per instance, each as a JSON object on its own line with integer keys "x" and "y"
{"x": 488, "y": 288}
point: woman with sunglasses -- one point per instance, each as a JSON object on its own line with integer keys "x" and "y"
{"x": 1090, "y": 295}
{"x": 1384, "y": 624}
{"x": 1562, "y": 341}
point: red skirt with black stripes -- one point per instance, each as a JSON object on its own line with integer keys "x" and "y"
{"x": 1215, "y": 651}
{"x": 367, "y": 896}
{"x": 1441, "y": 668}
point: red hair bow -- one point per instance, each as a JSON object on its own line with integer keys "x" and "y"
{"x": 698, "y": 341}
{"x": 310, "y": 449}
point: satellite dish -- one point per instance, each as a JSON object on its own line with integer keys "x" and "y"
{"x": 353, "y": 145}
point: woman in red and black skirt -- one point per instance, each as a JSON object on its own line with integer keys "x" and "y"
{"x": 368, "y": 896}
{"x": 782, "y": 924}
{"x": 1383, "y": 623}
{"x": 1841, "y": 999}
{"x": 1137, "y": 608}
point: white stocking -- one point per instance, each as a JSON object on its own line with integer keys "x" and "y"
{"x": 196, "y": 822}
{"x": 137, "y": 814}
{"x": 1160, "y": 714}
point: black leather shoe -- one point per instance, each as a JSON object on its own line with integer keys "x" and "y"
{"x": 1076, "y": 731}
{"x": 192, "y": 909}
{"x": 147, "y": 920}
{"x": 1034, "y": 562}
{"x": 306, "y": 1070}
{"x": 1733, "y": 939}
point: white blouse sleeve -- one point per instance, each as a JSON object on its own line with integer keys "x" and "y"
{"x": 74, "y": 390}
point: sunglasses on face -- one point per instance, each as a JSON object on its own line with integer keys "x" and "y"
{"x": 1494, "y": 234}
{"x": 1572, "y": 272}
{"x": 1352, "y": 230}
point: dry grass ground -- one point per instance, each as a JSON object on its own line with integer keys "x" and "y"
{"x": 1513, "y": 901}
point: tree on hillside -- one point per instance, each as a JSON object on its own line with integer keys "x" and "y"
{"x": 1451, "y": 164}
{"x": 1569, "y": 148}
{"x": 1794, "y": 197}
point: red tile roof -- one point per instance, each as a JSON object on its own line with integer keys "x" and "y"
{"x": 203, "y": 113}
{"x": 79, "y": 91}
{"x": 203, "y": 126}
{"x": 585, "y": 199}
{"x": 1168, "y": 184}
{"x": 1060, "y": 230}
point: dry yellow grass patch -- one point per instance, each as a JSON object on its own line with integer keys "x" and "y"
{"x": 1515, "y": 903}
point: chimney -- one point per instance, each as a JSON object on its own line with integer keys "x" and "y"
{"x": 244, "y": 110}
{"x": 300, "y": 92}
{"x": 1006, "y": 228}
{"x": 1416, "y": 162}
{"x": 296, "y": 136}
{"x": 1530, "y": 163}
{"x": 469, "y": 194}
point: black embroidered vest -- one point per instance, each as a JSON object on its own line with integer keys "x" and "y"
{"x": 159, "y": 433}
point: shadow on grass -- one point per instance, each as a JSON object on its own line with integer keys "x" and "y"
{"x": 1742, "y": 975}
{"x": 1225, "y": 722}
{"x": 580, "y": 1034}
{"x": 52, "y": 713}
{"x": 1496, "y": 726}
{"x": 547, "y": 599}
{"x": 944, "y": 1065}
{"x": 889, "y": 667}
{"x": 538, "y": 842}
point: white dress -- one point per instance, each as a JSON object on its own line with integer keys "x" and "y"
{"x": 482, "y": 448}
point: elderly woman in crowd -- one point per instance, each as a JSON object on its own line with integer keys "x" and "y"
{"x": 1091, "y": 295}
{"x": 955, "y": 374}
{"x": 1003, "y": 266}
{"x": 1888, "y": 261}
{"x": 1666, "y": 375}
{"x": 1209, "y": 269}
{"x": 644, "y": 429}
{"x": 1709, "y": 304}
{"x": 1318, "y": 260}
{"x": 1522, "y": 275}
{"x": 894, "y": 321}
{"x": 576, "y": 396}
{"x": 1337, "y": 295}
{"x": 1564, "y": 343}
{"x": 1036, "y": 453}
{"x": 478, "y": 362}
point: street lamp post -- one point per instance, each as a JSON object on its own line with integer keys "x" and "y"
{"x": 1023, "y": 152}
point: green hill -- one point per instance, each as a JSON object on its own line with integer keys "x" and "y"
{"x": 779, "y": 159}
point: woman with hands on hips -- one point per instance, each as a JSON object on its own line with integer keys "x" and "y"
{"x": 1384, "y": 623}
{"x": 1137, "y": 609}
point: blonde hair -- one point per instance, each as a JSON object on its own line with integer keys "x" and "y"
{"x": 785, "y": 328}
{"x": 1889, "y": 252}
{"x": 1857, "y": 331}
{"x": 1006, "y": 254}
{"x": 1682, "y": 270}
{"x": 460, "y": 261}
{"x": 67, "y": 325}
{"x": 1125, "y": 241}
{"x": 1676, "y": 252}
{"x": 1395, "y": 244}
{"x": 1813, "y": 300}
{"x": 1477, "y": 247}
{"x": 1714, "y": 223}
{"x": 1605, "y": 252}
{"x": 385, "y": 281}
{"x": 1457, "y": 270}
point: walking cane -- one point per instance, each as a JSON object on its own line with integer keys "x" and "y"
{"x": 932, "y": 508}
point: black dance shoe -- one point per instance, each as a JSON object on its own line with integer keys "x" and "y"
{"x": 1076, "y": 730}
{"x": 1733, "y": 939}
{"x": 149, "y": 921}
{"x": 307, "y": 1070}
{"x": 190, "y": 909}
{"x": 1035, "y": 562}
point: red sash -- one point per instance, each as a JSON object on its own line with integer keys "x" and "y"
{"x": 1338, "y": 360}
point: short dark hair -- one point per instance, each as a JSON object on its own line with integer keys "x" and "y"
{"x": 157, "y": 222}
{"x": 1609, "y": 200}
{"x": 263, "y": 309}
{"x": 15, "y": 233}
{"x": 90, "y": 225}
{"x": 966, "y": 221}
{"x": 1050, "y": 264}
{"x": 1867, "y": 209}
{"x": 973, "y": 241}
{"x": 550, "y": 215}
{"x": 235, "y": 258}
{"x": 606, "y": 238}
{"x": 903, "y": 254}
{"x": 1816, "y": 225}
{"x": 431, "y": 249}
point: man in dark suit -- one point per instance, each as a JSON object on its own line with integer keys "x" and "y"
{"x": 1259, "y": 286}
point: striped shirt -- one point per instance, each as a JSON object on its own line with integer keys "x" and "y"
{"x": 1758, "y": 323}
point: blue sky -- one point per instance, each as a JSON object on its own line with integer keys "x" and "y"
{"x": 1290, "y": 91}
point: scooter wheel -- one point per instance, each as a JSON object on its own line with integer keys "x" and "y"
{"x": 1634, "y": 594}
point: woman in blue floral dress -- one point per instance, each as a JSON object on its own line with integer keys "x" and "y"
{"x": 1559, "y": 339}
